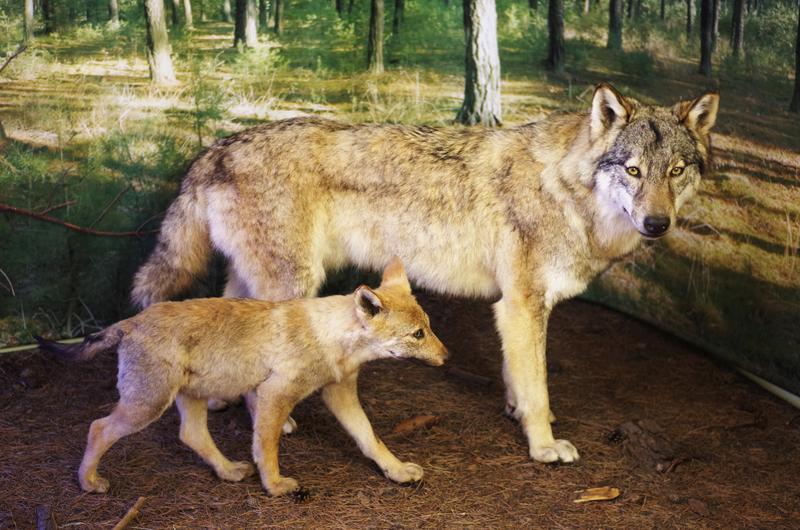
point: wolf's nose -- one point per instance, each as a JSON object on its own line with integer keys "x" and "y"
{"x": 656, "y": 225}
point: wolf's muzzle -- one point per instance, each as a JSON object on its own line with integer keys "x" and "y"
{"x": 656, "y": 225}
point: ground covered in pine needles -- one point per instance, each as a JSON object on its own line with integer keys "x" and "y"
{"x": 726, "y": 450}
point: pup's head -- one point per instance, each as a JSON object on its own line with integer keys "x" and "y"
{"x": 654, "y": 158}
{"x": 396, "y": 325}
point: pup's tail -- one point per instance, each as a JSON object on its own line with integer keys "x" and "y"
{"x": 100, "y": 342}
{"x": 181, "y": 254}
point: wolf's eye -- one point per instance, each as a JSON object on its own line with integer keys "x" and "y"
{"x": 677, "y": 171}
{"x": 419, "y": 334}
{"x": 633, "y": 171}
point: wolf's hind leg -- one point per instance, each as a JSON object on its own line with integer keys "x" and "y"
{"x": 124, "y": 420}
{"x": 272, "y": 410}
{"x": 194, "y": 433}
{"x": 342, "y": 400}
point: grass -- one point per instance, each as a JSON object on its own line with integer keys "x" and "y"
{"x": 87, "y": 126}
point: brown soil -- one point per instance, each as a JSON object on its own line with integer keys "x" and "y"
{"x": 732, "y": 448}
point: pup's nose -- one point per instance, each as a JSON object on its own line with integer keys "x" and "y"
{"x": 656, "y": 225}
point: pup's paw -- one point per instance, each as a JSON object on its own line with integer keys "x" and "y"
{"x": 558, "y": 451}
{"x": 236, "y": 471}
{"x": 405, "y": 472}
{"x": 289, "y": 426}
{"x": 94, "y": 484}
{"x": 282, "y": 486}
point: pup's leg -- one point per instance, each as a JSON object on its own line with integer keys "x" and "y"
{"x": 124, "y": 420}
{"x": 342, "y": 400}
{"x": 272, "y": 410}
{"x": 251, "y": 400}
{"x": 522, "y": 323}
{"x": 194, "y": 433}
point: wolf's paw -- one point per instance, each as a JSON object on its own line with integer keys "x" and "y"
{"x": 94, "y": 484}
{"x": 282, "y": 486}
{"x": 558, "y": 451}
{"x": 236, "y": 471}
{"x": 405, "y": 472}
{"x": 289, "y": 426}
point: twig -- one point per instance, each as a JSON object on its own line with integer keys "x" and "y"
{"x": 8, "y": 164}
{"x": 22, "y": 48}
{"x": 57, "y": 207}
{"x": 132, "y": 514}
{"x": 108, "y": 207}
{"x": 10, "y": 285}
{"x": 82, "y": 229}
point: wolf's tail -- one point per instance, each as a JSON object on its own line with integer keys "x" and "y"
{"x": 181, "y": 254}
{"x": 100, "y": 342}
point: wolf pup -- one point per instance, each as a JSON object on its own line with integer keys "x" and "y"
{"x": 526, "y": 216}
{"x": 190, "y": 351}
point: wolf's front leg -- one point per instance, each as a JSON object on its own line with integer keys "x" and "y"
{"x": 342, "y": 400}
{"x": 272, "y": 409}
{"x": 522, "y": 323}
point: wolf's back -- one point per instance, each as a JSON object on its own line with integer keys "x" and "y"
{"x": 181, "y": 254}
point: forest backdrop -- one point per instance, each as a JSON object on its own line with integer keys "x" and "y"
{"x": 101, "y": 112}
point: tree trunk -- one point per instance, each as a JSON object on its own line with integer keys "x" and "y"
{"x": 113, "y": 13}
{"x": 263, "y": 14}
{"x": 482, "y": 65}
{"x": 614, "y": 25}
{"x": 706, "y": 35}
{"x": 690, "y": 9}
{"x": 795, "y": 104}
{"x": 555, "y": 32}
{"x": 278, "y": 27}
{"x": 158, "y": 49}
{"x": 245, "y": 33}
{"x": 630, "y": 9}
{"x": 227, "y": 14}
{"x": 375, "y": 40}
{"x": 737, "y": 29}
{"x": 28, "y": 21}
{"x": 176, "y": 13}
{"x": 637, "y": 11}
{"x": 533, "y": 5}
{"x": 715, "y": 8}
{"x": 663, "y": 12}
{"x": 47, "y": 15}
{"x": 187, "y": 12}
{"x": 340, "y": 7}
{"x": 399, "y": 16}
{"x": 587, "y": 6}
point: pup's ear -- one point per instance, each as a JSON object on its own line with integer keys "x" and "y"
{"x": 367, "y": 303}
{"x": 699, "y": 114}
{"x": 394, "y": 275}
{"x": 609, "y": 109}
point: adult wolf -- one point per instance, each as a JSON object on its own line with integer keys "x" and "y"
{"x": 528, "y": 214}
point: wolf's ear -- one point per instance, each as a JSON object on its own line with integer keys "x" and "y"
{"x": 699, "y": 114}
{"x": 609, "y": 109}
{"x": 394, "y": 275}
{"x": 367, "y": 303}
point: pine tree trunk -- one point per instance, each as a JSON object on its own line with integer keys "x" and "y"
{"x": 482, "y": 65}
{"x": 278, "y": 27}
{"x": 737, "y": 29}
{"x": 663, "y": 12}
{"x": 113, "y": 13}
{"x": 706, "y": 35}
{"x": 637, "y": 12}
{"x": 399, "y": 16}
{"x": 263, "y": 14}
{"x": 176, "y": 13}
{"x": 533, "y": 5}
{"x": 715, "y": 8}
{"x": 245, "y": 32}
{"x": 614, "y": 25}
{"x": 587, "y": 6}
{"x": 795, "y": 105}
{"x": 375, "y": 40}
{"x": 340, "y": 7}
{"x": 690, "y": 9}
{"x": 630, "y": 9}
{"x": 555, "y": 32}
{"x": 28, "y": 21}
{"x": 187, "y": 14}
{"x": 158, "y": 48}
{"x": 227, "y": 13}
{"x": 47, "y": 15}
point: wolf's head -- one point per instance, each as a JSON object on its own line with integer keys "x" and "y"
{"x": 395, "y": 324}
{"x": 654, "y": 156}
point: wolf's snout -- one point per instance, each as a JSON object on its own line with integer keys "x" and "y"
{"x": 656, "y": 225}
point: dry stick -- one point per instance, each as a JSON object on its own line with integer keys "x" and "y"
{"x": 114, "y": 201}
{"x": 22, "y": 48}
{"x": 82, "y": 229}
{"x": 57, "y": 207}
{"x": 132, "y": 514}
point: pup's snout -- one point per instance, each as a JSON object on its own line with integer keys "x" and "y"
{"x": 656, "y": 225}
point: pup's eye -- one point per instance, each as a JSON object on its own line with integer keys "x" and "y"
{"x": 676, "y": 171}
{"x": 419, "y": 334}
{"x": 633, "y": 171}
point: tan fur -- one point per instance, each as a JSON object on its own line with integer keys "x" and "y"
{"x": 529, "y": 215}
{"x": 279, "y": 353}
